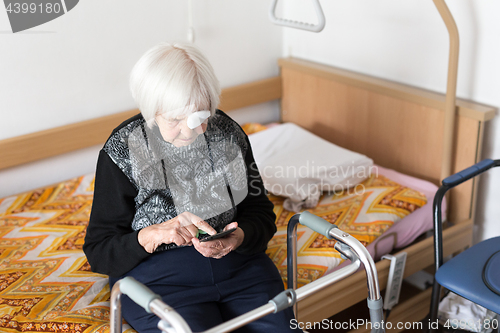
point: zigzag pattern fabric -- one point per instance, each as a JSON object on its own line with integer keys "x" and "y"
{"x": 365, "y": 212}
{"x": 45, "y": 281}
{"x": 46, "y": 284}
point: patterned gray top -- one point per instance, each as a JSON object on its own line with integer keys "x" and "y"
{"x": 207, "y": 178}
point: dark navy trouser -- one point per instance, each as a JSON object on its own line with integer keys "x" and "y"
{"x": 207, "y": 291}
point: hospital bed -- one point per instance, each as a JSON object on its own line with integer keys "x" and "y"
{"x": 46, "y": 282}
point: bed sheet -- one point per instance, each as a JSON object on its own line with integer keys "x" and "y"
{"x": 369, "y": 216}
{"x": 45, "y": 281}
{"x": 408, "y": 229}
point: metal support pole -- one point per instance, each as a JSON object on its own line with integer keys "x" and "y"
{"x": 451, "y": 88}
{"x": 291, "y": 245}
{"x": 115, "y": 315}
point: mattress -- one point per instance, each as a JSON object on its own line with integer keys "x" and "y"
{"x": 316, "y": 256}
{"x": 45, "y": 281}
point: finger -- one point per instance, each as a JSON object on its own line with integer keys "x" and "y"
{"x": 200, "y": 247}
{"x": 209, "y": 249}
{"x": 188, "y": 218}
{"x": 231, "y": 225}
{"x": 184, "y": 238}
{"x": 191, "y": 231}
{"x": 216, "y": 247}
{"x": 196, "y": 242}
{"x": 200, "y": 224}
{"x": 178, "y": 240}
{"x": 179, "y": 231}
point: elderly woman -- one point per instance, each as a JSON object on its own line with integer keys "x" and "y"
{"x": 167, "y": 178}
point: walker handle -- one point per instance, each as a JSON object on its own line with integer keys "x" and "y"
{"x": 316, "y": 223}
{"x": 138, "y": 292}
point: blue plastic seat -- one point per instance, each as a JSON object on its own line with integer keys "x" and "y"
{"x": 474, "y": 273}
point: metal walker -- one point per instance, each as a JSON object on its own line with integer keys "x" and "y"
{"x": 171, "y": 322}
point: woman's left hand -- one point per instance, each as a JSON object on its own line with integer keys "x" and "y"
{"x": 218, "y": 248}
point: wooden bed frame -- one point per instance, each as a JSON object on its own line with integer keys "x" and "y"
{"x": 400, "y": 127}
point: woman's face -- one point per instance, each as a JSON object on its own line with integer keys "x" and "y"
{"x": 179, "y": 130}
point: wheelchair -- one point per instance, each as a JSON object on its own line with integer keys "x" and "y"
{"x": 475, "y": 273}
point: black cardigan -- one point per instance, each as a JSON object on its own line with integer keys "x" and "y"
{"x": 111, "y": 245}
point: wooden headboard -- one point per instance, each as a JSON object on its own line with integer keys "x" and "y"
{"x": 398, "y": 126}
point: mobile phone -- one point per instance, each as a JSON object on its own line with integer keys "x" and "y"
{"x": 219, "y": 235}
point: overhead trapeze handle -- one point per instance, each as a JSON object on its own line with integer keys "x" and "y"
{"x": 296, "y": 24}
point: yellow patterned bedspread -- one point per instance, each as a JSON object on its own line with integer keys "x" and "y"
{"x": 365, "y": 211}
{"x": 45, "y": 281}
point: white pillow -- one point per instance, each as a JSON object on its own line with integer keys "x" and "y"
{"x": 299, "y": 165}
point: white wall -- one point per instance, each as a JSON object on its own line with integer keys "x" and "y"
{"x": 406, "y": 41}
{"x": 76, "y": 67}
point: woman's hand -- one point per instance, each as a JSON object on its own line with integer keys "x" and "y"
{"x": 180, "y": 230}
{"x": 218, "y": 248}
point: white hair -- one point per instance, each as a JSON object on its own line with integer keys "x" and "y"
{"x": 173, "y": 79}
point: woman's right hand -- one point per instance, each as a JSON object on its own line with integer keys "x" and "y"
{"x": 179, "y": 230}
